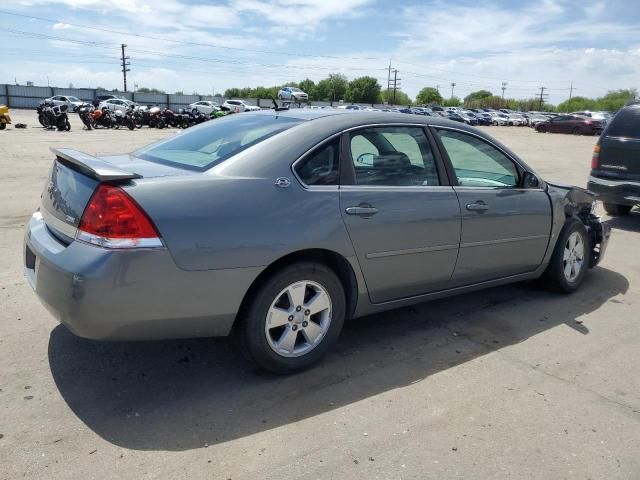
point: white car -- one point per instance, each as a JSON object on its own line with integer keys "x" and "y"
{"x": 205, "y": 106}
{"x": 498, "y": 118}
{"x": 123, "y": 104}
{"x": 72, "y": 103}
{"x": 293, "y": 94}
{"x": 517, "y": 120}
{"x": 238, "y": 106}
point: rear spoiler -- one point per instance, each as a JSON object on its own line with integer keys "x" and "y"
{"x": 93, "y": 166}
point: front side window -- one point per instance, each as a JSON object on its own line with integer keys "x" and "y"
{"x": 320, "y": 167}
{"x": 393, "y": 156}
{"x": 476, "y": 163}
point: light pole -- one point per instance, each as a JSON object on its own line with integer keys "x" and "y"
{"x": 504, "y": 87}
{"x": 452, "y": 87}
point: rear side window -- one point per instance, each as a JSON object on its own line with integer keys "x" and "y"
{"x": 626, "y": 123}
{"x": 203, "y": 147}
{"x": 320, "y": 167}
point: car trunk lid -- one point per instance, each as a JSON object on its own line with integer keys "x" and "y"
{"x": 620, "y": 157}
{"x": 73, "y": 178}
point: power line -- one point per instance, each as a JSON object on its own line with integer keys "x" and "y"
{"x": 183, "y": 42}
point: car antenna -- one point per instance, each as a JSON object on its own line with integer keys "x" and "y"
{"x": 277, "y": 107}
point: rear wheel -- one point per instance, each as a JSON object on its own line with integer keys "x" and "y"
{"x": 541, "y": 128}
{"x": 3, "y": 125}
{"x": 293, "y": 318}
{"x": 616, "y": 210}
{"x": 570, "y": 260}
{"x": 576, "y": 131}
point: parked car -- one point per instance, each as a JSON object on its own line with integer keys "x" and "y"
{"x": 499, "y": 118}
{"x": 72, "y": 103}
{"x": 121, "y": 104}
{"x": 237, "y": 106}
{"x": 101, "y": 98}
{"x": 536, "y": 119}
{"x": 480, "y": 120}
{"x": 570, "y": 124}
{"x": 516, "y": 120}
{"x": 293, "y": 94}
{"x": 204, "y": 106}
{"x": 242, "y": 225}
{"x": 615, "y": 166}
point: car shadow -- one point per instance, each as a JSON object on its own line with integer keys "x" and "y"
{"x": 629, "y": 223}
{"x": 180, "y": 395}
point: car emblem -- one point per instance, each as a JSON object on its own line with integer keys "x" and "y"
{"x": 282, "y": 182}
{"x": 70, "y": 219}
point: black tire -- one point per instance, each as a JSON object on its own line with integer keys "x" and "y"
{"x": 251, "y": 334}
{"x": 541, "y": 128}
{"x": 554, "y": 277}
{"x": 3, "y": 126}
{"x": 616, "y": 210}
{"x": 130, "y": 123}
{"x": 160, "y": 124}
{"x": 576, "y": 131}
{"x": 42, "y": 120}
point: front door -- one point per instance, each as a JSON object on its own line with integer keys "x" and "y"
{"x": 505, "y": 227}
{"x": 403, "y": 221}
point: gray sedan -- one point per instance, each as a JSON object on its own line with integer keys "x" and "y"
{"x": 277, "y": 226}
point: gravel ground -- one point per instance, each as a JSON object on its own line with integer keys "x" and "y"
{"x": 512, "y": 382}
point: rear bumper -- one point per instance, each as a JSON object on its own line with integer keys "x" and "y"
{"x": 129, "y": 295}
{"x": 621, "y": 192}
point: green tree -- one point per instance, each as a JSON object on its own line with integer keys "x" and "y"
{"x": 333, "y": 88}
{"x": 308, "y": 86}
{"x": 577, "y": 103}
{"x": 452, "y": 102}
{"x": 616, "y": 99}
{"x": 149, "y": 90}
{"x": 386, "y": 96}
{"x": 232, "y": 92}
{"x": 478, "y": 95}
{"x": 428, "y": 96}
{"x": 363, "y": 89}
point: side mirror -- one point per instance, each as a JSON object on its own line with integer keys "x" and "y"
{"x": 365, "y": 159}
{"x": 530, "y": 180}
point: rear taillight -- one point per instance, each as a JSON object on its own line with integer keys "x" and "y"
{"x": 595, "y": 158}
{"x": 112, "y": 219}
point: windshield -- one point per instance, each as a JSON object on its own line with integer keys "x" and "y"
{"x": 73, "y": 99}
{"x": 296, "y": 90}
{"x": 203, "y": 147}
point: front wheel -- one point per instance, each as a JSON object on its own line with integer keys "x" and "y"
{"x": 541, "y": 129}
{"x": 293, "y": 318}
{"x": 616, "y": 210}
{"x": 3, "y": 125}
{"x": 576, "y": 131}
{"x": 570, "y": 260}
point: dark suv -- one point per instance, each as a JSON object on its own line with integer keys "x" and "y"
{"x": 615, "y": 166}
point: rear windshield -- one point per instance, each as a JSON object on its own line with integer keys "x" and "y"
{"x": 202, "y": 147}
{"x": 625, "y": 124}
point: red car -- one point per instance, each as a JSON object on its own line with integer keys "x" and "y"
{"x": 576, "y": 124}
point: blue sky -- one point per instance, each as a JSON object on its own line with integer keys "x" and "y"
{"x": 267, "y": 42}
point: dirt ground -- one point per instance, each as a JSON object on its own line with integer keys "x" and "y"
{"x": 512, "y": 382}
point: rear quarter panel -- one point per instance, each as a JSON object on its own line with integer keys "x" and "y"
{"x": 213, "y": 222}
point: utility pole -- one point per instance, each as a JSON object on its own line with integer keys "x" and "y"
{"x": 394, "y": 83}
{"x": 389, "y": 81}
{"x": 504, "y": 87}
{"x": 452, "y": 87}
{"x": 125, "y": 64}
{"x": 571, "y": 90}
{"x": 542, "y": 97}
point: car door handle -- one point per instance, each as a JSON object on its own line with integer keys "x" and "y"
{"x": 361, "y": 211}
{"x": 478, "y": 207}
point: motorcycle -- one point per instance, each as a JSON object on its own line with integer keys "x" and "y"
{"x": 45, "y": 115}
{"x": 61, "y": 119}
{"x": 5, "y": 119}
{"x": 153, "y": 118}
{"x": 85, "y": 113}
{"x": 122, "y": 118}
{"x": 102, "y": 118}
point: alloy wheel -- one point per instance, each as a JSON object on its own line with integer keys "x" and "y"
{"x": 298, "y": 319}
{"x": 573, "y": 257}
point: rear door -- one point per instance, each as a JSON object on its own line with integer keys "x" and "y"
{"x": 505, "y": 227}
{"x": 402, "y": 216}
{"x": 620, "y": 145}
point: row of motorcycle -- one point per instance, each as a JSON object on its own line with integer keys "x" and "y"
{"x": 154, "y": 117}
